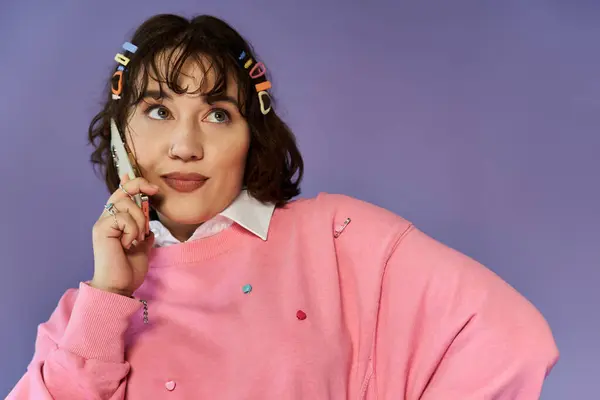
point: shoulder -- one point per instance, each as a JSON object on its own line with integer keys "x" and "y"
{"x": 355, "y": 224}
{"x": 339, "y": 206}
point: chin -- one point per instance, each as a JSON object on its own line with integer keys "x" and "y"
{"x": 186, "y": 215}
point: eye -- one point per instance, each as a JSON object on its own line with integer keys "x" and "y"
{"x": 218, "y": 116}
{"x": 157, "y": 112}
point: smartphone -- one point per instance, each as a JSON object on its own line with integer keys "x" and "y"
{"x": 125, "y": 164}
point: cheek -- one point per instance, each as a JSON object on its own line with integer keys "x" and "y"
{"x": 233, "y": 157}
{"x": 146, "y": 153}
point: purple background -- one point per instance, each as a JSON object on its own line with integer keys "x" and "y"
{"x": 477, "y": 120}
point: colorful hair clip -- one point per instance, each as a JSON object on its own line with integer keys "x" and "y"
{"x": 117, "y": 85}
{"x": 258, "y": 70}
{"x": 121, "y": 59}
{"x": 263, "y": 86}
{"x": 130, "y": 47}
{"x": 117, "y": 78}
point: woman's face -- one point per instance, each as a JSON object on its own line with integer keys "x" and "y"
{"x": 192, "y": 147}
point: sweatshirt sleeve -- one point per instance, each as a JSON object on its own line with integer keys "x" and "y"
{"x": 448, "y": 328}
{"x": 80, "y": 350}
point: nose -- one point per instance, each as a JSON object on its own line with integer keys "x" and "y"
{"x": 186, "y": 142}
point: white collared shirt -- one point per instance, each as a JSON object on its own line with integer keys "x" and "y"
{"x": 245, "y": 211}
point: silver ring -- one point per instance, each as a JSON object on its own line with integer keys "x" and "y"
{"x": 125, "y": 191}
{"x": 110, "y": 208}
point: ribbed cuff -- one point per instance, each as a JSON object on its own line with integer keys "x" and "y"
{"x": 98, "y": 323}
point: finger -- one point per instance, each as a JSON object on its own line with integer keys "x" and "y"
{"x": 123, "y": 226}
{"x": 129, "y": 206}
{"x": 145, "y": 245}
{"x": 125, "y": 179}
{"x": 133, "y": 187}
{"x": 150, "y": 240}
{"x": 140, "y": 185}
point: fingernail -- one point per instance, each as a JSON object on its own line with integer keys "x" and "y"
{"x": 134, "y": 243}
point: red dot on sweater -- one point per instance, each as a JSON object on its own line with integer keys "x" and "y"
{"x": 301, "y": 315}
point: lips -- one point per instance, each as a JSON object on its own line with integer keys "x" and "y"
{"x": 184, "y": 182}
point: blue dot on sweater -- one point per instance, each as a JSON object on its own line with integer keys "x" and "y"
{"x": 247, "y": 288}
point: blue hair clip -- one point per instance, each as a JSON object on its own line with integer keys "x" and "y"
{"x": 132, "y": 48}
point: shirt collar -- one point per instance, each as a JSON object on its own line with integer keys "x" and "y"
{"x": 251, "y": 214}
{"x": 245, "y": 210}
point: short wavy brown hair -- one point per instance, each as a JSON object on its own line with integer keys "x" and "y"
{"x": 274, "y": 165}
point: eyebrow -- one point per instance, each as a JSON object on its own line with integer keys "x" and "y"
{"x": 157, "y": 95}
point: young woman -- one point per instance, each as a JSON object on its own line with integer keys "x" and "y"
{"x": 242, "y": 293}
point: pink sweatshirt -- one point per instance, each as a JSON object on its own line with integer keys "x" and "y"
{"x": 381, "y": 311}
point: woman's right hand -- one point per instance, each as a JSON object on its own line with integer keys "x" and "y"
{"x": 120, "y": 248}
